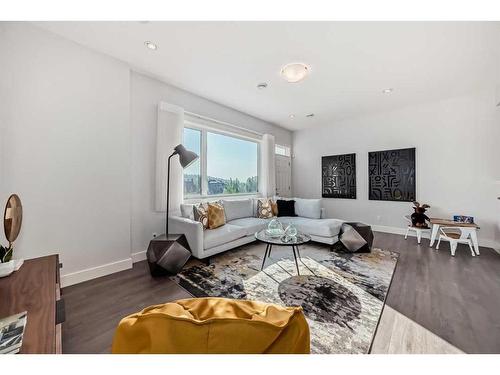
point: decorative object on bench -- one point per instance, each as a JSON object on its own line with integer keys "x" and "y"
{"x": 355, "y": 238}
{"x": 417, "y": 222}
{"x": 170, "y": 252}
{"x": 213, "y": 326}
{"x": 339, "y": 176}
{"x": 294, "y": 242}
{"x": 467, "y": 229}
{"x": 391, "y": 175}
{"x": 286, "y": 207}
{"x": 463, "y": 219}
{"x": 418, "y": 230}
{"x": 419, "y": 219}
{"x": 12, "y": 220}
{"x": 455, "y": 236}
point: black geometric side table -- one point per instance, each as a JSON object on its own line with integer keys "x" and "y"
{"x": 354, "y": 238}
{"x": 167, "y": 255}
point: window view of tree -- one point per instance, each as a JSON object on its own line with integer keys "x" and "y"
{"x": 192, "y": 174}
{"x": 231, "y": 164}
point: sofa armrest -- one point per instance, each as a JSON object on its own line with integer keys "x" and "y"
{"x": 322, "y": 214}
{"x": 193, "y": 230}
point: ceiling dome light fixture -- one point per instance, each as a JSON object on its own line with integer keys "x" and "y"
{"x": 151, "y": 45}
{"x": 295, "y": 72}
{"x": 387, "y": 91}
{"x": 292, "y": 116}
{"x": 262, "y": 86}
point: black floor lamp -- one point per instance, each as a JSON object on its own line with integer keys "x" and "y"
{"x": 167, "y": 254}
{"x": 186, "y": 158}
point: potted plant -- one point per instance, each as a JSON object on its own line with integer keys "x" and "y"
{"x": 6, "y": 253}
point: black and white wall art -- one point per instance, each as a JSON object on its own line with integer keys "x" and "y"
{"x": 339, "y": 176}
{"x": 391, "y": 175}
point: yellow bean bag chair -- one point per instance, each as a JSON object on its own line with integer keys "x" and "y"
{"x": 213, "y": 325}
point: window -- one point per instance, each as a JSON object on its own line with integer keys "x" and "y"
{"x": 282, "y": 150}
{"x": 227, "y": 164}
{"x": 192, "y": 174}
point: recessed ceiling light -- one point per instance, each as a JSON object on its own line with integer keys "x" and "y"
{"x": 151, "y": 45}
{"x": 295, "y": 72}
{"x": 310, "y": 115}
{"x": 387, "y": 91}
{"x": 292, "y": 116}
{"x": 262, "y": 86}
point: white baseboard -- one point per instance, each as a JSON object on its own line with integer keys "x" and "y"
{"x": 121, "y": 265}
{"x": 395, "y": 230}
{"x": 95, "y": 272}
{"x": 139, "y": 256}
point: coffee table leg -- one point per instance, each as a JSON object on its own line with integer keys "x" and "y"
{"x": 270, "y": 248}
{"x": 295, "y": 258}
{"x": 265, "y": 256}
{"x": 298, "y": 252}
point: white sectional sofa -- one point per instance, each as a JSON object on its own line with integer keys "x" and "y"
{"x": 242, "y": 223}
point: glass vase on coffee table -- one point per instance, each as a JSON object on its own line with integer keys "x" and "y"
{"x": 293, "y": 242}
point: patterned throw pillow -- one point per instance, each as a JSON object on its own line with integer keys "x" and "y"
{"x": 216, "y": 215}
{"x": 200, "y": 213}
{"x": 264, "y": 209}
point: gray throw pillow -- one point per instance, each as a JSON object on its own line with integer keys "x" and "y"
{"x": 237, "y": 209}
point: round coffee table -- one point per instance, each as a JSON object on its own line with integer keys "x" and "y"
{"x": 294, "y": 242}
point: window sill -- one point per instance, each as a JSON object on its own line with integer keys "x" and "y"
{"x": 205, "y": 198}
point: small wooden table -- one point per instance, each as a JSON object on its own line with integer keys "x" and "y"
{"x": 467, "y": 228}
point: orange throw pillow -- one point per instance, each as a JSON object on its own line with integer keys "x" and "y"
{"x": 216, "y": 215}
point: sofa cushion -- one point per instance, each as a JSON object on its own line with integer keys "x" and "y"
{"x": 222, "y": 235}
{"x": 264, "y": 209}
{"x": 216, "y": 216}
{"x": 286, "y": 207}
{"x": 200, "y": 213}
{"x": 250, "y": 224}
{"x": 187, "y": 211}
{"x": 238, "y": 208}
{"x": 318, "y": 227}
{"x": 310, "y": 208}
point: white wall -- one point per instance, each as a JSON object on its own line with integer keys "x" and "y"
{"x": 458, "y": 157}
{"x": 67, "y": 147}
{"x": 146, "y": 92}
{"x": 66, "y": 144}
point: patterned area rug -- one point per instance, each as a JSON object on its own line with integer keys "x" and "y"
{"x": 342, "y": 294}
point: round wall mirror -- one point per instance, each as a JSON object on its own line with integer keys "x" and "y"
{"x": 12, "y": 218}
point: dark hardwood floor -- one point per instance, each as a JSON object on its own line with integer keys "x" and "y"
{"x": 456, "y": 298}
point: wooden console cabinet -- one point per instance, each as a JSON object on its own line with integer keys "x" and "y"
{"x": 35, "y": 288}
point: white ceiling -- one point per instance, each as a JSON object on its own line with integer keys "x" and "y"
{"x": 351, "y": 62}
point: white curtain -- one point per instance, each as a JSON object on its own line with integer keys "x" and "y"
{"x": 267, "y": 182}
{"x": 169, "y": 134}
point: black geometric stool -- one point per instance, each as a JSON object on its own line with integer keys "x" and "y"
{"x": 355, "y": 238}
{"x": 167, "y": 256}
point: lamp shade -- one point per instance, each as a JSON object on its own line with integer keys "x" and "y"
{"x": 186, "y": 157}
